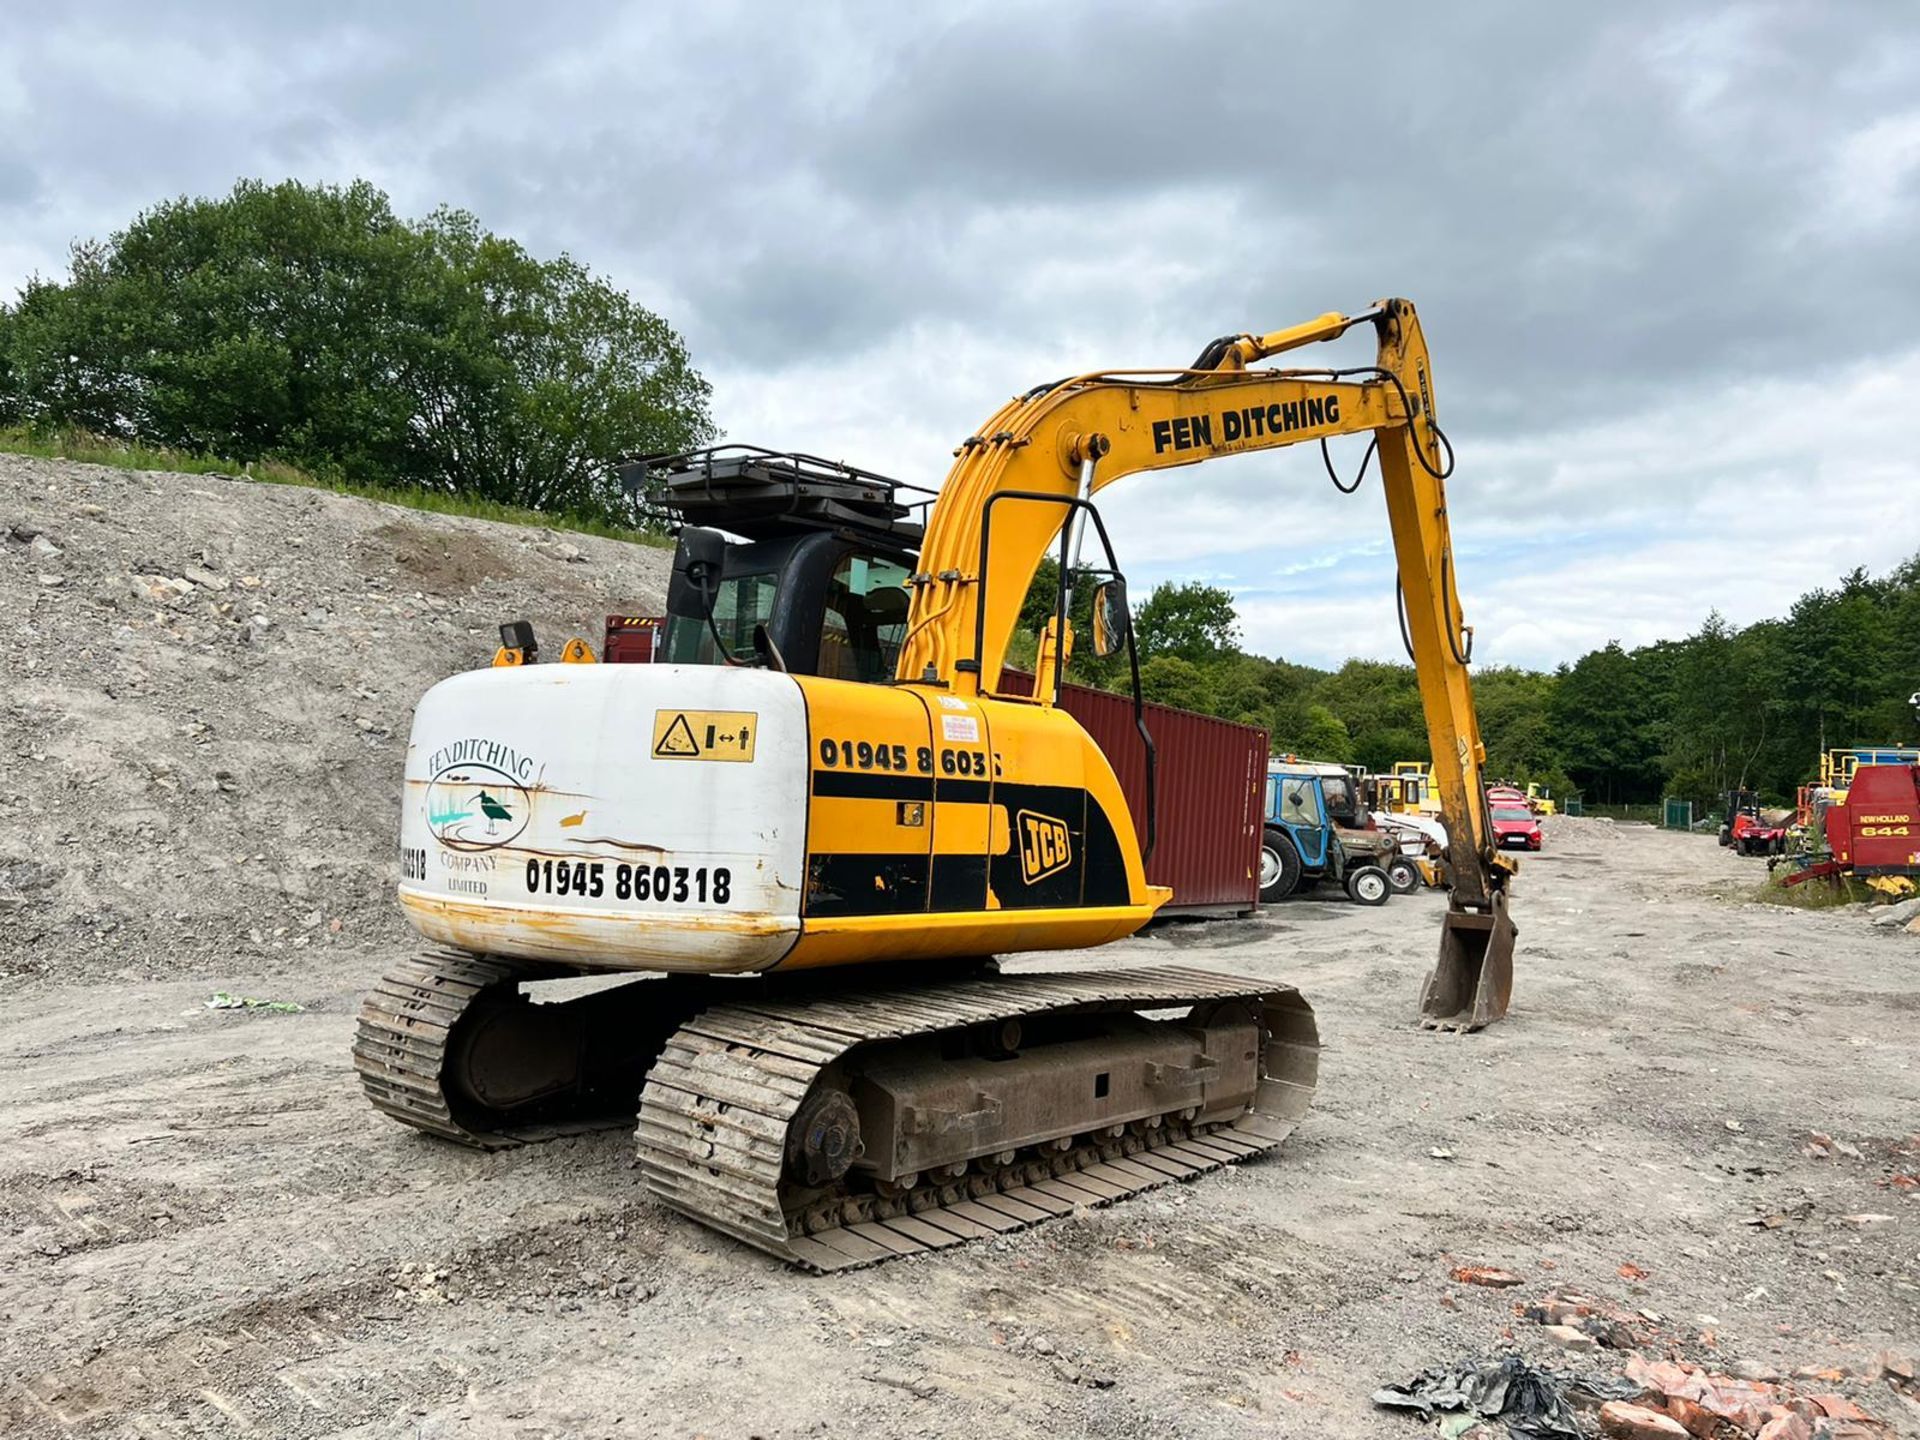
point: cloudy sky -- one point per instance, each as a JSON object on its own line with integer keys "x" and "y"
{"x": 1665, "y": 254}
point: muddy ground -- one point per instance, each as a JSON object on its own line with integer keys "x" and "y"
{"x": 205, "y": 1231}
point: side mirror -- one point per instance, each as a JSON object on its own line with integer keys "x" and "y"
{"x": 633, "y": 477}
{"x": 694, "y": 584}
{"x": 1111, "y": 618}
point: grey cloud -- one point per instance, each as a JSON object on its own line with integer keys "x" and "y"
{"x": 1604, "y": 212}
{"x": 1609, "y": 201}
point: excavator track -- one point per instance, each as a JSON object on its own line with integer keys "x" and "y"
{"x": 401, "y": 1042}
{"x": 447, "y": 1044}
{"x": 718, "y": 1115}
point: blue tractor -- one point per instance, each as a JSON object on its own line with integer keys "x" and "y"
{"x": 1316, "y": 830}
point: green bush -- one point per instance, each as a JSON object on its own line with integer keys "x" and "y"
{"x": 309, "y": 325}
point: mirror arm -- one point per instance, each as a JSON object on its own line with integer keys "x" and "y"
{"x": 711, "y": 595}
{"x": 1146, "y": 740}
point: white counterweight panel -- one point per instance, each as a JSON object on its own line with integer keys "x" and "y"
{"x": 647, "y": 817}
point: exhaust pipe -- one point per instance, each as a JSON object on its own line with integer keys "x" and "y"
{"x": 1472, "y": 984}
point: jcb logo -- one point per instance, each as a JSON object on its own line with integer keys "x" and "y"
{"x": 1045, "y": 848}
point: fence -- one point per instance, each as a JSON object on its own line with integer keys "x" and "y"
{"x": 1678, "y": 815}
{"x": 1642, "y": 814}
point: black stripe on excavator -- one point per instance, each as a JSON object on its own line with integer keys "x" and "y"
{"x": 1094, "y": 871}
{"x": 864, "y": 785}
{"x": 839, "y": 885}
{"x": 859, "y": 785}
{"x": 959, "y": 882}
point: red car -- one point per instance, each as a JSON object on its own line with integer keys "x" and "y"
{"x": 1515, "y": 826}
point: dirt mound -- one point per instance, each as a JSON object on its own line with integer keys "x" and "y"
{"x": 209, "y": 685}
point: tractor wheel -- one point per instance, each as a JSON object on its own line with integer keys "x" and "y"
{"x": 1404, "y": 875}
{"x": 1368, "y": 885}
{"x": 1279, "y": 866}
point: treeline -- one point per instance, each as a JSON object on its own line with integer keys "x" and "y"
{"x": 312, "y": 326}
{"x": 1684, "y": 718}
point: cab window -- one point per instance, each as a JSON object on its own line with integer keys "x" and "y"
{"x": 1299, "y": 803}
{"x": 865, "y": 619}
{"x": 743, "y": 602}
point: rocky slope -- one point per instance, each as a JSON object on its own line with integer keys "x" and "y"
{"x": 208, "y": 684}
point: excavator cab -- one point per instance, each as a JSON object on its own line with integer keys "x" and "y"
{"x": 817, "y": 583}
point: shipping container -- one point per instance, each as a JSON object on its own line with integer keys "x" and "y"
{"x": 1210, "y": 794}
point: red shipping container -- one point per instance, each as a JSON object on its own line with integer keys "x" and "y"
{"x": 1210, "y": 793}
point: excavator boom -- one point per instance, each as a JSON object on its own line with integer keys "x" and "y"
{"x": 1006, "y": 497}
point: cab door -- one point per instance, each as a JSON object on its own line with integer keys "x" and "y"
{"x": 1297, "y": 809}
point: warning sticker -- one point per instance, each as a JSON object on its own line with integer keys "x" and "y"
{"x": 704, "y": 734}
{"x": 959, "y": 727}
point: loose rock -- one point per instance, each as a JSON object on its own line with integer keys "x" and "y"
{"x": 1636, "y": 1422}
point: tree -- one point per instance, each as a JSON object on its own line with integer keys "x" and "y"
{"x": 9, "y": 378}
{"x": 1193, "y": 621}
{"x": 312, "y": 325}
{"x": 1838, "y": 642}
{"x": 1239, "y": 690}
{"x": 1169, "y": 680}
{"x": 1603, "y": 715}
{"x": 538, "y": 374}
{"x": 1516, "y": 724}
{"x": 1379, "y": 702}
{"x": 1321, "y": 735}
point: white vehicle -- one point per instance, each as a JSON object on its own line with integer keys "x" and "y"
{"x": 1418, "y": 838}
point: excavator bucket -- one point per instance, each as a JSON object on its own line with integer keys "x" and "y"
{"x": 1473, "y": 981}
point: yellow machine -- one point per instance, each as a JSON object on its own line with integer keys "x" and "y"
{"x": 1540, "y": 799}
{"x": 1417, "y": 791}
{"x": 819, "y": 774}
{"x": 1837, "y": 765}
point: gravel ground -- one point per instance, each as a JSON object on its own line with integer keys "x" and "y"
{"x": 205, "y": 1231}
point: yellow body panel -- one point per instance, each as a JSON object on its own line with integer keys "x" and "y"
{"x": 943, "y": 826}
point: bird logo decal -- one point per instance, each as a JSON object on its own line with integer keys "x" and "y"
{"x": 475, "y": 807}
{"x": 494, "y": 811}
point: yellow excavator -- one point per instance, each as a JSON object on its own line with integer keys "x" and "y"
{"x": 814, "y": 821}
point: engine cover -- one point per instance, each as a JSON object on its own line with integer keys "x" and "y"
{"x": 611, "y": 816}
